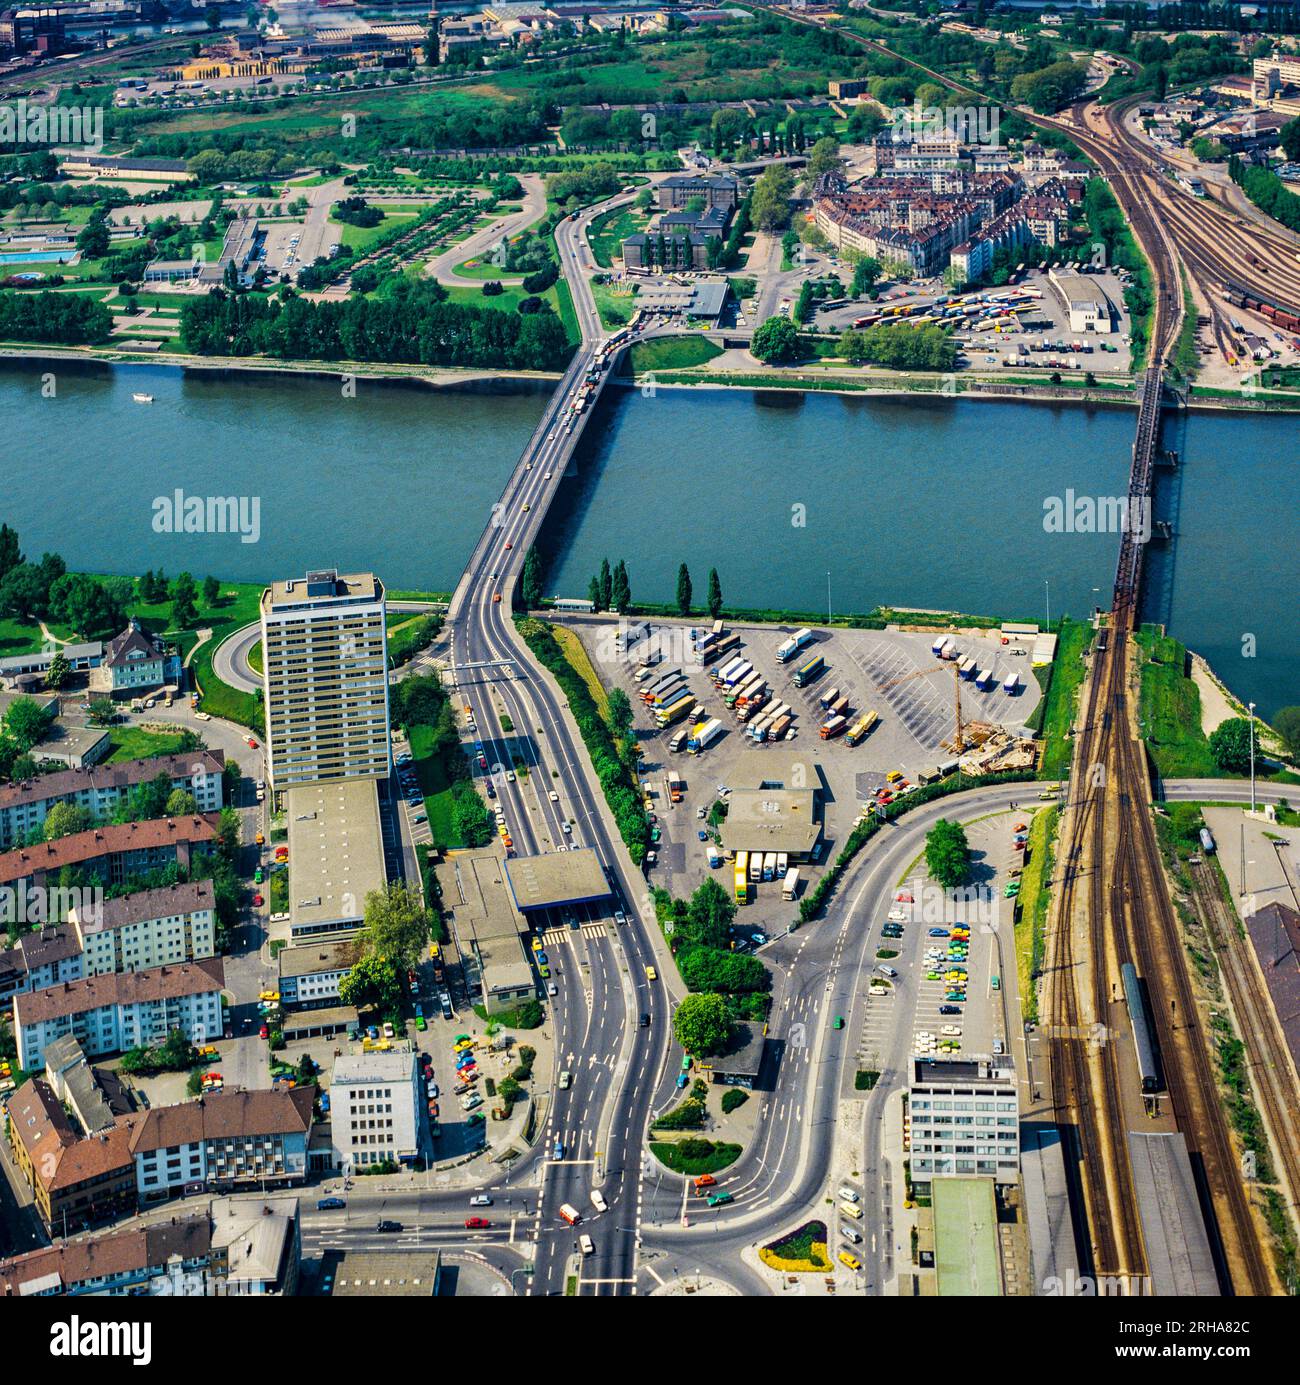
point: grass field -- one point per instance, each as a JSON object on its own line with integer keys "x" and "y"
{"x": 364, "y": 238}
{"x": 673, "y": 353}
{"x": 1170, "y": 709}
{"x": 1035, "y": 895}
{"x": 431, "y": 770}
{"x": 1058, "y": 706}
{"x": 615, "y": 308}
{"x": 135, "y": 743}
{"x": 608, "y": 231}
{"x": 576, "y": 653}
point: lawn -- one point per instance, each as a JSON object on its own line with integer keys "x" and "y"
{"x": 135, "y": 743}
{"x": 435, "y": 783}
{"x": 1035, "y": 895}
{"x": 694, "y": 1156}
{"x": 615, "y": 306}
{"x": 1170, "y": 709}
{"x": 672, "y": 353}
{"x": 576, "y": 653}
{"x": 363, "y": 238}
{"x": 1055, "y": 715}
{"x": 609, "y": 230}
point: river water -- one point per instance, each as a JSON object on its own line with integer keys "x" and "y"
{"x": 975, "y": 506}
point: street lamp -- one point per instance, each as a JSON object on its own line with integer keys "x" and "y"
{"x": 1251, "y": 708}
{"x": 1047, "y": 592}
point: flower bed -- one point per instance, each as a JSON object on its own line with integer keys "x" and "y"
{"x": 801, "y": 1252}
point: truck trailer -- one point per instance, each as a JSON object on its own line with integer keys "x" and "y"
{"x": 704, "y": 736}
{"x": 789, "y": 648}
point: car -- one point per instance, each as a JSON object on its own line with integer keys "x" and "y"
{"x": 705, "y": 1180}
{"x": 557, "y": 1150}
{"x": 566, "y": 1080}
{"x": 852, "y": 1261}
{"x": 951, "y": 1030}
{"x": 598, "y": 1201}
{"x": 703, "y": 835}
{"x": 900, "y": 915}
{"x": 938, "y": 933}
{"x": 477, "y": 1223}
{"x": 839, "y": 1022}
{"x": 682, "y": 1080}
{"x": 701, "y": 812}
{"x": 933, "y": 976}
{"x": 849, "y": 1233}
{"x": 480, "y": 1200}
{"x": 644, "y": 1022}
{"x": 651, "y": 974}
{"x": 586, "y": 1244}
{"x": 719, "y": 1199}
{"x": 950, "y": 1009}
{"x": 252, "y": 744}
{"x": 330, "y": 1204}
{"x": 388, "y": 1227}
{"x": 264, "y": 1033}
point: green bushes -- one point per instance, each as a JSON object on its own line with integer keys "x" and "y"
{"x": 732, "y": 1099}
{"x": 617, "y": 781}
{"x": 696, "y": 1157}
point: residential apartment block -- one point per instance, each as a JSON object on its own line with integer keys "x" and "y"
{"x": 222, "y": 1140}
{"x": 310, "y": 974}
{"x": 24, "y": 806}
{"x": 116, "y": 1012}
{"x": 325, "y": 679}
{"x": 111, "y": 854}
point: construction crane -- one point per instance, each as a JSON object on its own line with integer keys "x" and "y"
{"x": 958, "y": 741}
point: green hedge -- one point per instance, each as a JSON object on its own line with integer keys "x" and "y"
{"x": 621, "y": 791}
{"x": 815, "y": 899}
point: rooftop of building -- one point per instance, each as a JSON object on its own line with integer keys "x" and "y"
{"x": 310, "y": 958}
{"x": 337, "y": 849}
{"x": 323, "y": 587}
{"x": 119, "y": 988}
{"x": 409, "y": 1273}
{"x": 397, "y": 1065}
{"x": 966, "y": 1256}
{"x": 225, "y": 1115}
{"x": 167, "y": 901}
{"x": 105, "y": 1255}
{"x": 105, "y": 841}
{"x": 556, "y": 878}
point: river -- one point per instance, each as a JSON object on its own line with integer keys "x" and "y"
{"x": 923, "y": 503}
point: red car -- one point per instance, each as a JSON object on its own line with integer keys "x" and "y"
{"x": 264, "y": 1033}
{"x": 476, "y": 1223}
{"x": 258, "y": 901}
{"x": 252, "y": 744}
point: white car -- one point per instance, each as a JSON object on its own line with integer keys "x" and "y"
{"x": 555, "y": 798}
{"x": 598, "y": 1201}
{"x": 510, "y": 776}
{"x": 568, "y": 830}
{"x": 951, "y": 1030}
{"x": 587, "y": 1245}
{"x": 900, "y": 916}
{"x": 480, "y": 1200}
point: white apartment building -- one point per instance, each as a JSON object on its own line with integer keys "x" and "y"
{"x": 152, "y": 928}
{"x": 376, "y": 1109}
{"x": 310, "y": 974}
{"x": 121, "y": 1010}
{"x": 965, "y": 1117}
{"x": 223, "y": 1140}
{"x": 325, "y": 679}
{"x": 101, "y": 788}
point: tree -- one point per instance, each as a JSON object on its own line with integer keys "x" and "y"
{"x": 22, "y": 592}
{"x": 211, "y": 591}
{"x": 606, "y": 584}
{"x": 769, "y": 206}
{"x": 1290, "y": 138}
{"x": 865, "y": 274}
{"x": 710, "y": 913}
{"x": 396, "y": 924}
{"x": 10, "y": 553}
{"x": 530, "y": 585}
{"x": 185, "y": 611}
{"x": 621, "y": 589}
{"x": 58, "y": 672}
{"x": 1287, "y": 725}
{"x": 65, "y": 818}
{"x": 619, "y": 709}
{"x": 775, "y": 341}
{"x": 179, "y": 804}
{"x": 684, "y": 590}
{"x": 373, "y": 983}
{"x": 701, "y": 1024}
{"x": 102, "y": 711}
{"x": 93, "y": 239}
{"x": 714, "y": 598}
{"x": 1230, "y": 745}
{"x": 947, "y": 853}
{"x": 824, "y": 156}
{"x": 26, "y": 722}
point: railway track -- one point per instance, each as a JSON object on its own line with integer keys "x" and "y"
{"x": 1268, "y": 1060}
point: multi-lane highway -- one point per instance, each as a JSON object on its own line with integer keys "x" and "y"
{"x": 593, "y": 1138}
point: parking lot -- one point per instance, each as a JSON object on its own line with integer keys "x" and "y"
{"x": 1047, "y": 320}
{"x": 947, "y": 949}
{"x": 892, "y": 673}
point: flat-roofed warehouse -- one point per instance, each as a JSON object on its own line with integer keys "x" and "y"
{"x": 336, "y": 855}
{"x": 773, "y": 806}
{"x": 1179, "y": 1257}
{"x": 556, "y": 878}
{"x": 1085, "y": 301}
